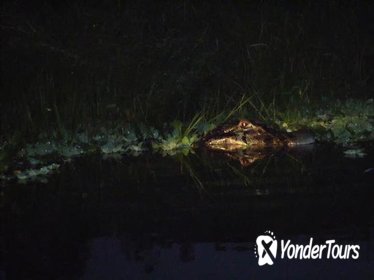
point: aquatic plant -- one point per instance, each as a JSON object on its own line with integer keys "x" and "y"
{"x": 341, "y": 122}
{"x": 64, "y": 149}
{"x": 181, "y": 138}
{"x": 355, "y": 153}
{"x": 176, "y": 140}
{"x": 36, "y": 174}
{"x": 41, "y": 149}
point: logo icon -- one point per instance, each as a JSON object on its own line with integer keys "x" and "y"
{"x": 266, "y": 248}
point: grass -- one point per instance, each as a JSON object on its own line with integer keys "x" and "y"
{"x": 346, "y": 123}
{"x": 151, "y": 64}
{"x": 118, "y": 79}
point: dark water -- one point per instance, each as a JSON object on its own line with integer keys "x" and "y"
{"x": 188, "y": 217}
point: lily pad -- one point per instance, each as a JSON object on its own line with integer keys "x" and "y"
{"x": 355, "y": 153}
{"x": 38, "y": 174}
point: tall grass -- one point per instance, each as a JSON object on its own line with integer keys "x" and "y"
{"x": 92, "y": 65}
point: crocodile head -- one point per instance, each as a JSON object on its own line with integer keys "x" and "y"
{"x": 241, "y": 135}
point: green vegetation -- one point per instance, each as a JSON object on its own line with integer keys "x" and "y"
{"x": 346, "y": 123}
{"x": 116, "y": 78}
{"x": 341, "y": 122}
{"x": 38, "y": 174}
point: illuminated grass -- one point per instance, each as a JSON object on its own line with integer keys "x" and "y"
{"x": 341, "y": 122}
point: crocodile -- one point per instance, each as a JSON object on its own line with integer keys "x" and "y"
{"x": 253, "y": 135}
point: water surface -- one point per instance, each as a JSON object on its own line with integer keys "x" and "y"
{"x": 188, "y": 217}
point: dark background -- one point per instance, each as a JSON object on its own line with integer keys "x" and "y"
{"x": 79, "y": 64}
{"x": 75, "y": 63}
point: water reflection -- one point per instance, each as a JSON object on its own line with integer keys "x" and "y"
{"x": 191, "y": 217}
{"x": 206, "y": 261}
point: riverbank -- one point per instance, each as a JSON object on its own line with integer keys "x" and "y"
{"x": 348, "y": 124}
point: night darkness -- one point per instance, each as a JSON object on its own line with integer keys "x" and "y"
{"x": 158, "y": 139}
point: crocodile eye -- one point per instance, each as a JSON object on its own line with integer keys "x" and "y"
{"x": 243, "y": 124}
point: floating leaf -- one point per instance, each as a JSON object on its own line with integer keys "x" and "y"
{"x": 354, "y": 153}
{"x": 39, "y": 174}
